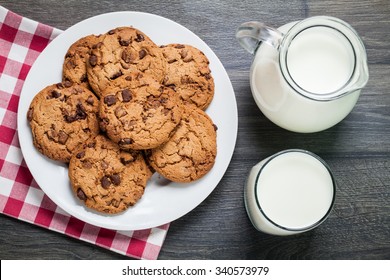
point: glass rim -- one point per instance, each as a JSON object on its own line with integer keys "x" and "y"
{"x": 334, "y": 185}
{"x": 341, "y": 27}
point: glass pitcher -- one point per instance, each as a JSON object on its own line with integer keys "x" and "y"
{"x": 306, "y": 76}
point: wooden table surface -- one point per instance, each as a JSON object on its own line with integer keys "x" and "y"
{"x": 357, "y": 149}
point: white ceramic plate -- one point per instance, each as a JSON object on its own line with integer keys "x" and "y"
{"x": 162, "y": 201}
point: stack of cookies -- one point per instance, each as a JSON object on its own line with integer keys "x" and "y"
{"x": 125, "y": 109}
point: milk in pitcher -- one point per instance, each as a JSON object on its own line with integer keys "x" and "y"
{"x": 306, "y": 76}
{"x": 319, "y": 63}
{"x": 320, "y": 60}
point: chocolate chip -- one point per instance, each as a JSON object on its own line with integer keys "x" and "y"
{"x": 105, "y": 181}
{"x": 69, "y": 119}
{"x": 124, "y": 42}
{"x": 138, "y": 76}
{"x": 90, "y": 100}
{"x": 180, "y": 46}
{"x": 81, "y": 195}
{"x": 80, "y": 155}
{"x": 126, "y": 95}
{"x": 183, "y": 53}
{"x": 64, "y": 98}
{"x": 30, "y": 114}
{"x": 111, "y": 32}
{"x": 127, "y": 160}
{"x": 77, "y": 90}
{"x": 86, "y": 164}
{"x": 104, "y": 164}
{"x": 59, "y": 85}
{"x": 71, "y": 63}
{"x": 126, "y": 141}
{"x": 115, "y": 179}
{"x": 215, "y": 127}
{"x": 91, "y": 145}
{"x": 207, "y": 76}
{"x": 79, "y": 114}
{"x": 142, "y": 53}
{"x": 55, "y": 94}
{"x": 110, "y": 100}
{"x": 103, "y": 124}
{"x": 186, "y": 57}
{"x": 97, "y": 45}
{"x": 52, "y": 134}
{"x": 62, "y": 137}
{"x": 93, "y": 60}
{"x": 127, "y": 57}
{"x": 139, "y": 38}
{"x": 116, "y": 75}
{"x": 153, "y": 102}
{"x": 68, "y": 83}
{"x": 84, "y": 78}
{"x": 172, "y": 86}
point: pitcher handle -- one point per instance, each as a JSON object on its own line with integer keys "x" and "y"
{"x": 251, "y": 34}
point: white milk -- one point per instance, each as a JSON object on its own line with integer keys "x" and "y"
{"x": 319, "y": 60}
{"x": 293, "y": 193}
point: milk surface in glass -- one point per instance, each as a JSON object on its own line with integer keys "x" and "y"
{"x": 290, "y": 193}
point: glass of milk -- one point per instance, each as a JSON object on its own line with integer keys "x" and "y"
{"x": 306, "y": 76}
{"x": 290, "y": 192}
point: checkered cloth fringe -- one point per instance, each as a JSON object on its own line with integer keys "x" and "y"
{"x": 21, "y": 41}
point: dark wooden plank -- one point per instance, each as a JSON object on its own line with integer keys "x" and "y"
{"x": 357, "y": 149}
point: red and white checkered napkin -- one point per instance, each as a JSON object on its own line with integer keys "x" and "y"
{"x": 21, "y": 41}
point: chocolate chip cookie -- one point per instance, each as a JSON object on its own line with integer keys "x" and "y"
{"x": 63, "y": 116}
{"x": 137, "y": 112}
{"x": 74, "y": 68}
{"x": 189, "y": 74}
{"x": 106, "y": 178}
{"x": 122, "y": 51}
{"x": 191, "y": 151}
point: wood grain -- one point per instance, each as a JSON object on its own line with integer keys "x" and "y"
{"x": 357, "y": 149}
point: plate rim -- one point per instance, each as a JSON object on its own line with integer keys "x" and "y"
{"x": 22, "y": 120}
